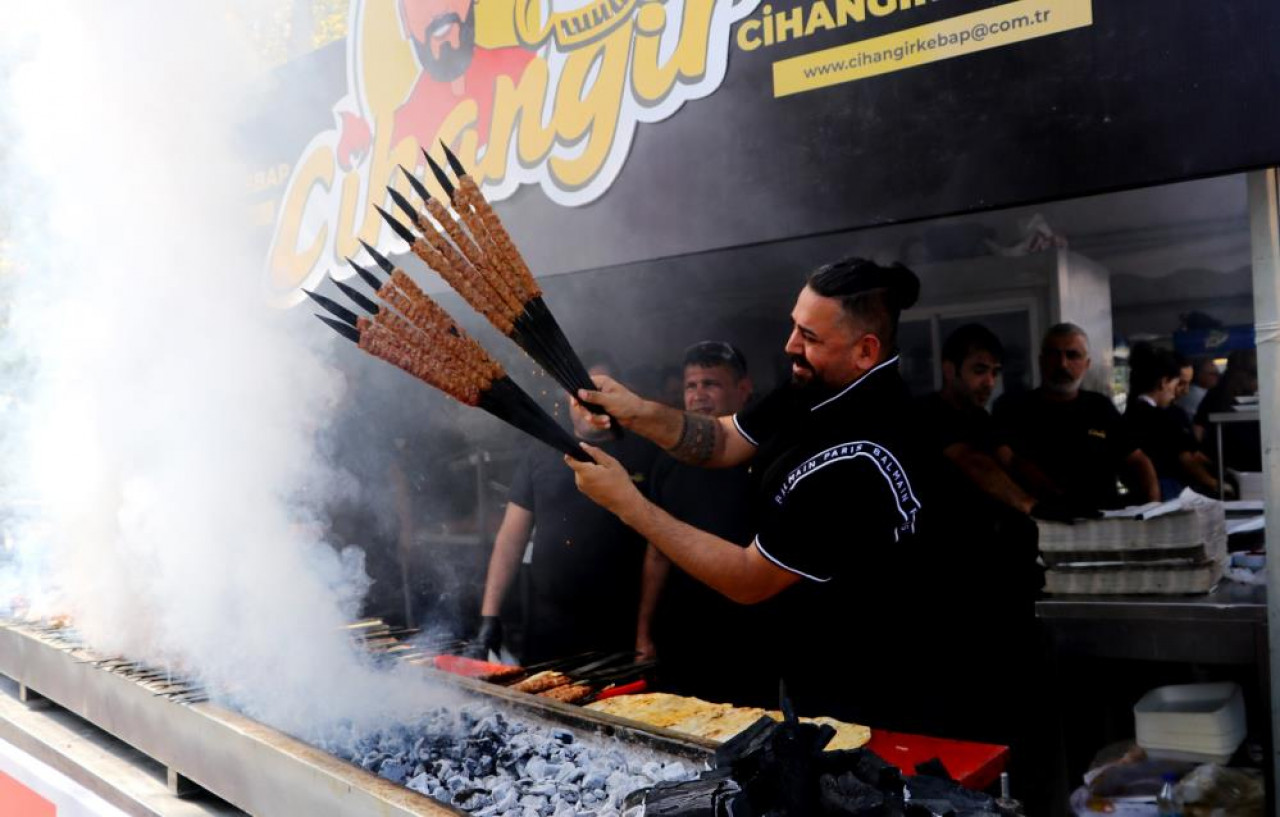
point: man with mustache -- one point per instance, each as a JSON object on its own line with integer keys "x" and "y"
{"x": 454, "y": 70}
{"x": 675, "y": 607}
{"x": 850, "y": 530}
{"x": 1072, "y": 435}
{"x": 962, "y": 429}
{"x": 443, "y": 34}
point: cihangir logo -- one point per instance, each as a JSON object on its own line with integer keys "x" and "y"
{"x": 527, "y": 92}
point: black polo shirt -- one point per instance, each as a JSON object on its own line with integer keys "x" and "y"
{"x": 585, "y": 570}
{"x": 838, "y": 495}
{"x": 850, "y": 501}
{"x": 1160, "y": 434}
{"x": 1080, "y": 444}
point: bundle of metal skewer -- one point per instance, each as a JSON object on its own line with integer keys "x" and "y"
{"x": 473, "y": 253}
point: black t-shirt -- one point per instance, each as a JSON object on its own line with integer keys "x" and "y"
{"x": 585, "y": 570}
{"x": 1080, "y": 444}
{"x": 1160, "y": 434}
{"x": 945, "y": 425}
{"x": 690, "y": 614}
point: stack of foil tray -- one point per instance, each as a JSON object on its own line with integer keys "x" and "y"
{"x": 1169, "y": 548}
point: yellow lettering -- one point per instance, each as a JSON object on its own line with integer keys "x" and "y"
{"x": 846, "y": 10}
{"x": 381, "y": 168}
{"x": 591, "y": 112}
{"x": 881, "y": 8}
{"x": 288, "y": 265}
{"x": 653, "y": 82}
{"x": 789, "y": 22}
{"x": 517, "y": 109}
{"x": 531, "y": 28}
{"x": 819, "y": 17}
{"x": 768, "y": 25}
{"x": 748, "y": 29}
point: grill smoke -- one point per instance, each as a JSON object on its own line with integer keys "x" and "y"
{"x": 161, "y": 474}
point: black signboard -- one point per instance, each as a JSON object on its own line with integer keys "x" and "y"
{"x": 807, "y": 117}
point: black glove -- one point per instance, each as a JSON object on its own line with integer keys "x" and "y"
{"x": 488, "y": 638}
{"x": 1064, "y": 510}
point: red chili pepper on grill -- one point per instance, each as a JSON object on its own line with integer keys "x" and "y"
{"x": 632, "y": 688}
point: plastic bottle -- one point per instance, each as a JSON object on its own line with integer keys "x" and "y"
{"x": 1168, "y": 802}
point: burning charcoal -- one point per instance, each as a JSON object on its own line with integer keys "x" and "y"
{"x": 420, "y": 783}
{"x": 536, "y": 768}
{"x": 562, "y": 735}
{"x": 471, "y": 799}
{"x": 394, "y": 771}
{"x": 673, "y": 772}
{"x": 617, "y": 780}
{"x": 507, "y": 802}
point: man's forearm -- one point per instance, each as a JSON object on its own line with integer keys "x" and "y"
{"x": 503, "y": 566}
{"x": 653, "y": 579}
{"x": 1027, "y": 473}
{"x": 1197, "y": 474}
{"x": 695, "y": 439}
{"x": 717, "y": 563}
{"x": 1143, "y": 473}
{"x": 987, "y": 474}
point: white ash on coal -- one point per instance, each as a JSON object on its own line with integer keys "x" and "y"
{"x": 492, "y": 765}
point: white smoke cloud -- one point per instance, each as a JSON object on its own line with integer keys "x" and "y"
{"x": 163, "y": 432}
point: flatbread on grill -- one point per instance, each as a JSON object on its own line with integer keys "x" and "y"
{"x": 710, "y": 721}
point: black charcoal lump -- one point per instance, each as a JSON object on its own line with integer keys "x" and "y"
{"x": 779, "y": 770}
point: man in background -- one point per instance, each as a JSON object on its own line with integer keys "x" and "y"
{"x": 677, "y": 611}
{"x": 1073, "y": 435}
{"x": 585, "y": 565}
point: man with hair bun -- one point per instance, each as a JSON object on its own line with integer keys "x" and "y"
{"x": 851, "y": 532}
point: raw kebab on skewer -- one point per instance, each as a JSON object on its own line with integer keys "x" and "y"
{"x": 467, "y": 245}
{"x": 412, "y": 332}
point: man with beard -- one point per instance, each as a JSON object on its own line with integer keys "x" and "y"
{"x": 852, "y": 534}
{"x": 1072, "y": 435}
{"x": 959, "y": 425}
{"x": 676, "y": 609}
{"x": 443, "y": 33}
{"x": 455, "y": 70}
{"x": 584, "y": 569}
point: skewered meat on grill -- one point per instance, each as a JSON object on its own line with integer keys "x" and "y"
{"x": 542, "y": 681}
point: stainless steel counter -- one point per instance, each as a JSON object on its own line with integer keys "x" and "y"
{"x": 1227, "y": 626}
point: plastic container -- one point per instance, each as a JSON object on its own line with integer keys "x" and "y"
{"x": 1202, "y": 723}
{"x": 1168, "y": 803}
{"x": 1250, "y": 482}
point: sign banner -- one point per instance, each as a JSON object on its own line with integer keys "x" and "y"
{"x": 617, "y": 131}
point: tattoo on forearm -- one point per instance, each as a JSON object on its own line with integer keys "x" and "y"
{"x": 697, "y": 441}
